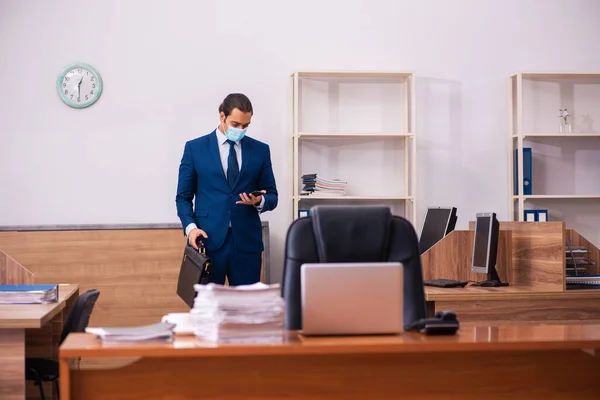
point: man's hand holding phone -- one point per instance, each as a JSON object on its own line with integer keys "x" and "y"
{"x": 251, "y": 199}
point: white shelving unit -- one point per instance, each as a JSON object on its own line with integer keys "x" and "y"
{"x": 327, "y": 107}
{"x": 534, "y": 102}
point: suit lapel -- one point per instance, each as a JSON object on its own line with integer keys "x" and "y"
{"x": 213, "y": 149}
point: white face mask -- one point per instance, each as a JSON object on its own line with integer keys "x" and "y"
{"x": 235, "y": 134}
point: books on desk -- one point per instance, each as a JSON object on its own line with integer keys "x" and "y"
{"x": 247, "y": 313}
{"x": 28, "y": 294}
{"x": 161, "y": 332}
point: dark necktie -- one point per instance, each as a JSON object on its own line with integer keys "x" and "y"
{"x": 233, "y": 169}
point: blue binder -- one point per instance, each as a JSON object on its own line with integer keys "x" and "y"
{"x": 536, "y": 215}
{"x": 531, "y": 215}
{"x": 542, "y": 215}
{"x": 28, "y": 294}
{"x": 303, "y": 213}
{"x": 527, "y": 161}
{"x": 27, "y": 288}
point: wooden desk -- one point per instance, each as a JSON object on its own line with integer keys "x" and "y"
{"x": 531, "y": 256}
{"x": 524, "y": 362}
{"x": 516, "y": 305}
{"x": 31, "y": 330}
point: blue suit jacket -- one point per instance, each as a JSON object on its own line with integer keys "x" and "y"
{"x": 201, "y": 176}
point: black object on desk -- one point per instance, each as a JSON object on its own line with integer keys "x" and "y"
{"x": 444, "y": 323}
{"x": 490, "y": 283}
{"x": 485, "y": 249}
{"x": 445, "y": 283}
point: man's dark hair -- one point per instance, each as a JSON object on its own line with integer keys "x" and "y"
{"x": 235, "y": 100}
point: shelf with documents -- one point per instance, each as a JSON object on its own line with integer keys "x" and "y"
{"x": 554, "y": 155}
{"x": 307, "y": 135}
{"x": 373, "y": 198}
{"x": 353, "y": 132}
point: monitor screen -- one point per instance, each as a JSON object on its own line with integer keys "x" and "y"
{"x": 434, "y": 227}
{"x": 482, "y": 240}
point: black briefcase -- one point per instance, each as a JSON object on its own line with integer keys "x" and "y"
{"x": 195, "y": 269}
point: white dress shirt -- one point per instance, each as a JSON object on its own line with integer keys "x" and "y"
{"x": 224, "y": 152}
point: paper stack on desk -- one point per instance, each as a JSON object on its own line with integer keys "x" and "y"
{"x": 162, "y": 332}
{"x": 247, "y": 313}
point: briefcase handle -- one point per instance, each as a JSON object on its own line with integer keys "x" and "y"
{"x": 201, "y": 248}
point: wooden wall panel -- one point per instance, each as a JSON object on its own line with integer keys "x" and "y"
{"x": 11, "y": 272}
{"x": 135, "y": 270}
{"x": 451, "y": 258}
{"x": 538, "y": 252}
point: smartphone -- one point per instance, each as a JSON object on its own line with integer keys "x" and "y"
{"x": 257, "y": 193}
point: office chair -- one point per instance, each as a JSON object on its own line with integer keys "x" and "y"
{"x": 42, "y": 370}
{"x": 352, "y": 234}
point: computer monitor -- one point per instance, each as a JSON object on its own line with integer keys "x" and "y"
{"x": 438, "y": 222}
{"x": 485, "y": 249}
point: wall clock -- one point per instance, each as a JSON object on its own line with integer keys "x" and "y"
{"x": 79, "y": 85}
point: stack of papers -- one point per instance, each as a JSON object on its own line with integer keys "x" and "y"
{"x": 161, "y": 331}
{"x": 317, "y": 185}
{"x": 28, "y": 294}
{"x": 247, "y": 313}
{"x": 182, "y": 321}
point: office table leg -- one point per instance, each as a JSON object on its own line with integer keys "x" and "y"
{"x": 12, "y": 364}
{"x": 65, "y": 379}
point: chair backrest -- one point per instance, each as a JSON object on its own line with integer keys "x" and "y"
{"x": 352, "y": 234}
{"x": 79, "y": 315}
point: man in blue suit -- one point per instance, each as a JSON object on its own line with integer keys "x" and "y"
{"x": 221, "y": 170}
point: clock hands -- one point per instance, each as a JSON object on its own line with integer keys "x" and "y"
{"x": 79, "y": 88}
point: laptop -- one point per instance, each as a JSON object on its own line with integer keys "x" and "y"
{"x": 351, "y": 298}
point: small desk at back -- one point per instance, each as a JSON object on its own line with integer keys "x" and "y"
{"x": 531, "y": 258}
{"x": 31, "y": 330}
{"x": 516, "y": 305}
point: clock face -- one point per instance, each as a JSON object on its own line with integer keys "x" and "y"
{"x": 79, "y": 85}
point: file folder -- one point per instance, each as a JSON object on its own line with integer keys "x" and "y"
{"x": 303, "y": 213}
{"x": 527, "y": 170}
{"x": 530, "y": 216}
{"x": 28, "y": 294}
{"x": 542, "y": 215}
{"x": 536, "y": 215}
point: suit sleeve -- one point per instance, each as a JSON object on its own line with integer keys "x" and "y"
{"x": 186, "y": 188}
{"x": 267, "y": 182}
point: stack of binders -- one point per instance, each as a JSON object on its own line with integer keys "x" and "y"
{"x": 28, "y": 294}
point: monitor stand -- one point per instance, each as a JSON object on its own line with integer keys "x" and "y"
{"x": 493, "y": 280}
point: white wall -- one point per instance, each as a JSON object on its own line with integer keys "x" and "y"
{"x": 166, "y": 66}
